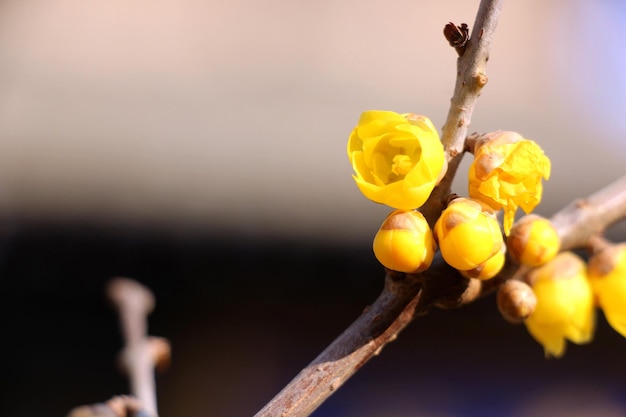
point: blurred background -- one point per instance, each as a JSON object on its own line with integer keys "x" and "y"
{"x": 199, "y": 146}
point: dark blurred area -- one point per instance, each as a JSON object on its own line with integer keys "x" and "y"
{"x": 244, "y": 316}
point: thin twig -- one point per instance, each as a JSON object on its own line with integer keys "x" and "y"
{"x": 470, "y": 80}
{"x": 584, "y": 218}
{"x": 401, "y": 299}
{"x": 141, "y": 354}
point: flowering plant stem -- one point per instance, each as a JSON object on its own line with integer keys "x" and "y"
{"x": 403, "y": 296}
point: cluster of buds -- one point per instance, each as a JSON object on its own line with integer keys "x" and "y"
{"x": 557, "y": 300}
{"x": 398, "y": 160}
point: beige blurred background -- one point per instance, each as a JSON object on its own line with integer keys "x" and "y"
{"x": 213, "y": 115}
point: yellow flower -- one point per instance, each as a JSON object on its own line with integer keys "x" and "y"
{"x": 467, "y": 234}
{"x": 397, "y": 159}
{"x": 564, "y": 307}
{"x": 607, "y": 275}
{"x": 405, "y": 242}
{"x": 533, "y": 240}
{"x": 506, "y": 173}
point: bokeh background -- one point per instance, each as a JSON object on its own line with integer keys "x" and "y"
{"x": 199, "y": 146}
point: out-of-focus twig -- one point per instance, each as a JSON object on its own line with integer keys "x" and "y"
{"x": 141, "y": 354}
{"x": 118, "y": 406}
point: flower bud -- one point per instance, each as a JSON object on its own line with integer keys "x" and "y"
{"x": 607, "y": 276}
{"x": 506, "y": 173}
{"x": 468, "y": 234}
{"x": 565, "y": 307}
{"x": 516, "y": 301}
{"x": 533, "y": 240}
{"x": 490, "y": 268}
{"x": 405, "y": 242}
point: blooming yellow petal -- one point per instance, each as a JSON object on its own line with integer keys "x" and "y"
{"x": 607, "y": 275}
{"x": 564, "y": 307}
{"x": 397, "y": 159}
{"x": 506, "y": 174}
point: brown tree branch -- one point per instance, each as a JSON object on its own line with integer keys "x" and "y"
{"x": 470, "y": 80}
{"x": 578, "y": 222}
{"x": 404, "y": 296}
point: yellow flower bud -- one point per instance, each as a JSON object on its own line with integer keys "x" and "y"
{"x": 405, "y": 242}
{"x": 506, "y": 173}
{"x": 607, "y": 275}
{"x": 467, "y": 234}
{"x": 565, "y": 308}
{"x": 397, "y": 159}
{"x": 489, "y": 268}
{"x": 516, "y": 301}
{"x": 533, "y": 240}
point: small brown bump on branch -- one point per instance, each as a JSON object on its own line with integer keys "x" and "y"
{"x": 457, "y": 36}
{"x": 481, "y": 80}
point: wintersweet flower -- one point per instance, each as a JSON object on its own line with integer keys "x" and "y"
{"x": 397, "y": 158}
{"x": 405, "y": 242}
{"x": 506, "y": 173}
{"x": 607, "y": 275}
{"x": 565, "y": 308}
{"x": 468, "y": 235}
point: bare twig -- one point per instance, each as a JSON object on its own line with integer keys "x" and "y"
{"x": 119, "y": 406}
{"x": 403, "y": 296}
{"x": 582, "y": 219}
{"x": 471, "y": 78}
{"x": 141, "y": 354}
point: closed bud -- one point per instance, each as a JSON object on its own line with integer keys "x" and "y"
{"x": 607, "y": 275}
{"x": 516, "y": 301}
{"x": 533, "y": 240}
{"x": 468, "y": 234}
{"x": 490, "y": 268}
{"x": 405, "y": 242}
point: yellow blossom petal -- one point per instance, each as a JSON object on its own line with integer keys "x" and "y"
{"x": 506, "y": 174}
{"x": 564, "y": 307}
{"x": 397, "y": 159}
{"x": 607, "y": 275}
